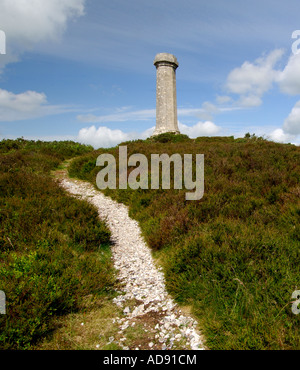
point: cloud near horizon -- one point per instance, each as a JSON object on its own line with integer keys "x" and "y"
{"x": 291, "y": 125}
{"x": 104, "y": 137}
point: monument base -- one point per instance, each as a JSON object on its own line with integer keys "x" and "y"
{"x": 160, "y": 131}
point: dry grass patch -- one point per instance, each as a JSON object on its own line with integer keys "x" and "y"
{"x": 88, "y": 330}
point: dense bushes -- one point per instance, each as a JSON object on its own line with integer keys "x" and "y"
{"x": 49, "y": 243}
{"x": 58, "y": 149}
{"x": 234, "y": 254}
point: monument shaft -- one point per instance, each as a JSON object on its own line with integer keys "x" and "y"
{"x": 166, "y": 100}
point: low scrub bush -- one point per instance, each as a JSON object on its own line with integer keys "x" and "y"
{"x": 54, "y": 250}
{"x": 234, "y": 254}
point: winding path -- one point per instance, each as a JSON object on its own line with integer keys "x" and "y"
{"x": 142, "y": 282}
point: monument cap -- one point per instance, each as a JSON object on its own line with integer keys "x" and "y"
{"x": 166, "y": 58}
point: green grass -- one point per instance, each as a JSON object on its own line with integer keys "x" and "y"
{"x": 234, "y": 254}
{"x": 54, "y": 250}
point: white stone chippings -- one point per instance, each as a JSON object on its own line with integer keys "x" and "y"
{"x": 142, "y": 280}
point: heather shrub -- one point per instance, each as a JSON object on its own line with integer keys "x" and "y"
{"x": 54, "y": 250}
{"x": 233, "y": 255}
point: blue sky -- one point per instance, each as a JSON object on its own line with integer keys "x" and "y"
{"x": 83, "y": 69}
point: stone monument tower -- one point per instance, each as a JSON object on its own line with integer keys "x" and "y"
{"x": 166, "y": 101}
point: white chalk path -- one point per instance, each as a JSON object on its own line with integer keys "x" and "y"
{"x": 141, "y": 279}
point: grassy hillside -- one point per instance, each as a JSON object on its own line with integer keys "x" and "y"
{"x": 233, "y": 255}
{"x": 49, "y": 243}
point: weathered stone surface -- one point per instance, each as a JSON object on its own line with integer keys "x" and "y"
{"x": 166, "y": 97}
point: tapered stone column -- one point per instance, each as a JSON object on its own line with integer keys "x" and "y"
{"x": 166, "y": 100}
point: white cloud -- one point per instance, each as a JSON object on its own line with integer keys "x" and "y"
{"x": 292, "y": 123}
{"x": 249, "y": 101}
{"x": 207, "y": 128}
{"x": 289, "y": 78}
{"x": 24, "y": 102}
{"x": 104, "y": 137}
{"x": 280, "y": 136}
{"x": 20, "y": 106}
{"x": 37, "y": 20}
{"x": 254, "y": 77}
{"x": 290, "y": 131}
{"x": 26, "y": 105}
{"x": 101, "y": 137}
{"x": 27, "y": 22}
{"x": 252, "y": 80}
{"x": 222, "y": 99}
